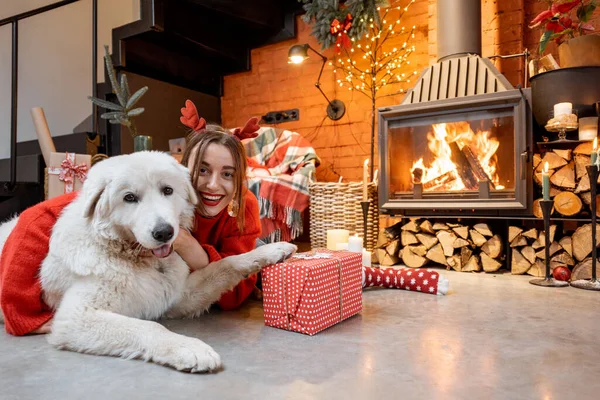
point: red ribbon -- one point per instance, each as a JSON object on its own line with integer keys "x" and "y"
{"x": 68, "y": 171}
{"x": 341, "y": 30}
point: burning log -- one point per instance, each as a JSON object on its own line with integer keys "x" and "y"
{"x": 440, "y": 181}
{"x": 463, "y": 168}
{"x": 476, "y": 167}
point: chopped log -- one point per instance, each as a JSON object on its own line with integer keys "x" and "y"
{"x": 584, "y": 148}
{"x": 411, "y": 226}
{"x": 411, "y": 259}
{"x": 463, "y": 168}
{"x": 447, "y": 239}
{"x": 489, "y": 264}
{"x": 583, "y": 270}
{"x": 537, "y": 208}
{"x": 408, "y": 238}
{"x": 472, "y": 265}
{"x": 513, "y": 231}
{"x": 583, "y": 185}
{"x": 537, "y": 161}
{"x": 554, "y": 247}
{"x": 598, "y": 205}
{"x": 419, "y": 250}
{"x": 436, "y": 254}
{"x": 465, "y": 255}
{"x": 532, "y": 233}
{"x": 581, "y": 162}
{"x": 427, "y": 227}
{"x": 484, "y": 229}
{"x": 565, "y": 243}
{"x": 519, "y": 264}
{"x": 493, "y": 247}
{"x": 460, "y": 242}
{"x": 529, "y": 253}
{"x": 537, "y": 245}
{"x": 382, "y": 241}
{"x": 554, "y": 160}
{"x": 477, "y": 238}
{"x": 582, "y": 241}
{"x": 552, "y": 232}
{"x": 439, "y": 226}
{"x": 519, "y": 241}
{"x": 440, "y": 181}
{"x": 554, "y": 192}
{"x": 564, "y": 177}
{"x": 462, "y": 231}
{"x": 451, "y": 225}
{"x": 563, "y": 258}
{"x": 393, "y": 247}
{"x": 586, "y": 197}
{"x": 393, "y": 232}
{"x": 566, "y": 154}
{"x": 386, "y": 259}
{"x": 538, "y": 269}
{"x": 567, "y": 204}
{"x": 537, "y": 178}
{"x": 455, "y": 263}
{"x": 428, "y": 240}
{"x": 476, "y": 167}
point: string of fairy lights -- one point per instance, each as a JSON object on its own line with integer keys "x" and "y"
{"x": 377, "y": 64}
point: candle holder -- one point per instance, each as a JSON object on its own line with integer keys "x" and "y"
{"x": 548, "y": 281}
{"x": 592, "y": 284}
{"x": 365, "y": 210}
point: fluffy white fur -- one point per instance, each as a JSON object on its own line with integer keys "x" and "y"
{"x": 104, "y": 293}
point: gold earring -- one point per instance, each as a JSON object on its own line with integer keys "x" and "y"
{"x": 232, "y": 208}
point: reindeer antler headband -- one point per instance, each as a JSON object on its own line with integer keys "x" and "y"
{"x": 191, "y": 119}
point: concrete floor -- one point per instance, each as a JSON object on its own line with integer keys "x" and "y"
{"x": 492, "y": 337}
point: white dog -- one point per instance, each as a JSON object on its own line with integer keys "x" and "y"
{"x": 102, "y": 289}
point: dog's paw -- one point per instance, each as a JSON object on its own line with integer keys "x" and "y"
{"x": 189, "y": 355}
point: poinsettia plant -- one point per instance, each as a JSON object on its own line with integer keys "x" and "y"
{"x": 564, "y": 19}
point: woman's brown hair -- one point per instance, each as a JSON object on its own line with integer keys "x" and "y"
{"x": 197, "y": 144}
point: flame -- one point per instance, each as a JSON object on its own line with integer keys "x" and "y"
{"x": 481, "y": 144}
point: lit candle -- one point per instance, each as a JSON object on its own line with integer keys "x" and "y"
{"x": 588, "y": 128}
{"x": 546, "y": 182}
{"x": 562, "y": 109}
{"x": 594, "y": 153}
{"x": 335, "y": 236}
{"x": 355, "y": 244}
{"x": 341, "y": 246}
{"x": 366, "y": 258}
{"x": 365, "y": 179}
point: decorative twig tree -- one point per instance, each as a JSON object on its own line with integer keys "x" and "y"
{"x": 379, "y": 59}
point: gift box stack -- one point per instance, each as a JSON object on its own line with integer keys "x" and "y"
{"x": 312, "y": 291}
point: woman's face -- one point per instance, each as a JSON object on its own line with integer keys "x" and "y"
{"x": 215, "y": 179}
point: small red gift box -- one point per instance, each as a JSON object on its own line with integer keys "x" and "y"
{"x": 312, "y": 291}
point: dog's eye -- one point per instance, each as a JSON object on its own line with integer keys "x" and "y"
{"x": 130, "y": 198}
{"x": 167, "y": 191}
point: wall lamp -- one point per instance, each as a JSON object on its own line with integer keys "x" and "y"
{"x": 297, "y": 54}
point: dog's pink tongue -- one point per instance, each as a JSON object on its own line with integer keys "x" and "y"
{"x": 162, "y": 251}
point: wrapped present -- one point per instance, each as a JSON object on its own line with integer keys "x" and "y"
{"x": 417, "y": 280}
{"x": 312, "y": 291}
{"x": 67, "y": 172}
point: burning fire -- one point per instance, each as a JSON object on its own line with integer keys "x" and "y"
{"x": 474, "y": 152}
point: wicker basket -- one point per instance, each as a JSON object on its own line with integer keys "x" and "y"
{"x": 337, "y": 206}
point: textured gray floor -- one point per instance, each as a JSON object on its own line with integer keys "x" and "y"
{"x": 492, "y": 337}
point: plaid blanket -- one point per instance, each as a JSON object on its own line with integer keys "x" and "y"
{"x": 282, "y": 165}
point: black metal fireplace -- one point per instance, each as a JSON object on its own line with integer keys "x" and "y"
{"x": 461, "y": 140}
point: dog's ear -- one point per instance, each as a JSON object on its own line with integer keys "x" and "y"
{"x": 95, "y": 198}
{"x": 190, "y": 191}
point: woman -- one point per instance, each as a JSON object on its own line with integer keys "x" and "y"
{"x": 227, "y": 223}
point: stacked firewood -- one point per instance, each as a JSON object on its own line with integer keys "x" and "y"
{"x": 528, "y": 251}
{"x": 570, "y": 184}
{"x": 460, "y": 247}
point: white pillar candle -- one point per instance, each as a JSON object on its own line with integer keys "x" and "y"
{"x": 365, "y": 179}
{"x": 588, "y": 128}
{"x": 341, "y": 246}
{"x": 562, "y": 109}
{"x": 366, "y": 258}
{"x": 335, "y": 236}
{"x": 355, "y": 243}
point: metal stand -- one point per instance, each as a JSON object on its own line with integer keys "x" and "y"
{"x": 592, "y": 284}
{"x": 548, "y": 281}
{"x": 365, "y": 210}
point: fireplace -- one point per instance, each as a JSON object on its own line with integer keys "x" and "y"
{"x": 460, "y": 143}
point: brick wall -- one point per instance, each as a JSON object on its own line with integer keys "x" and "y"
{"x": 273, "y": 84}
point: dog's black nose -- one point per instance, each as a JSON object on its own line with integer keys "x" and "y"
{"x": 163, "y": 232}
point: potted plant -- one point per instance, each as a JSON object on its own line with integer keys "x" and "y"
{"x": 123, "y": 112}
{"x": 567, "y": 23}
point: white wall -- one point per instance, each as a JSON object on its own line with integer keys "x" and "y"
{"x": 55, "y": 62}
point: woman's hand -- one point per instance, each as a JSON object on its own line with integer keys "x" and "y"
{"x": 190, "y": 250}
{"x": 46, "y": 328}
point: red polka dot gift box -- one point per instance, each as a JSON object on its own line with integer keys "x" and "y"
{"x": 312, "y": 291}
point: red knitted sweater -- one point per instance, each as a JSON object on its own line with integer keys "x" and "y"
{"x": 27, "y": 246}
